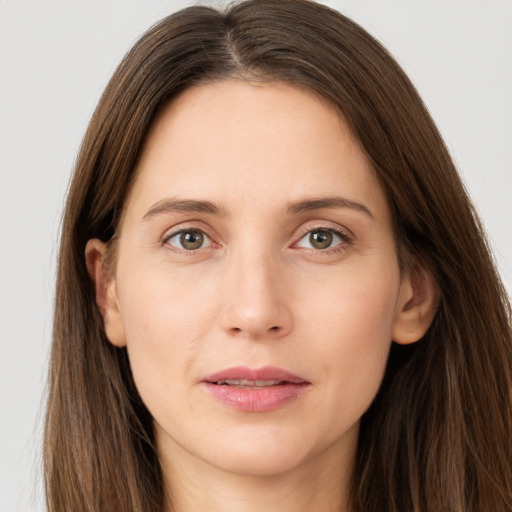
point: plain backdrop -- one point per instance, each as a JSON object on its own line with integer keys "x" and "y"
{"x": 55, "y": 59}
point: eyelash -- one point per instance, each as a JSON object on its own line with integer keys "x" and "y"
{"x": 346, "y": 240}
{"x": 187, "y": 252}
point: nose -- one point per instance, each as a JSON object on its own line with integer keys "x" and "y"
{"x": 257, "y": 299}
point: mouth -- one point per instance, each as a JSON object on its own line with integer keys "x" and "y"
{"x": 255, "y": 390}
{"x": 249, "y": 384}
{"x": 260, "y": 377}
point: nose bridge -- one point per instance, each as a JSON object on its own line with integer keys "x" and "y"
{"x": 255, "y": 298}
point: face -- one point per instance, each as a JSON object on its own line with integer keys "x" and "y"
{"x": 256, "y": 284}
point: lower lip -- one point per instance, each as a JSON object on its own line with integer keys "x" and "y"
{"x": 256, "y": 399}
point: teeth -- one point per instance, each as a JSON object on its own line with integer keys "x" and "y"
{"x": 244, "y": 383}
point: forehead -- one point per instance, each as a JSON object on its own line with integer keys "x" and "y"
{"x": 226, "y": 114}
{"x": 244, "y": 143}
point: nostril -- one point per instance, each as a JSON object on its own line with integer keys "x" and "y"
{"x": 256, "y": 322}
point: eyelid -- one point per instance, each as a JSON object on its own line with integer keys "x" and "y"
{"x": 345, "y": 235}
{"x": 327, "y": 226}
{"x": 178, "y": 230}
{"x": 206, "y": 238}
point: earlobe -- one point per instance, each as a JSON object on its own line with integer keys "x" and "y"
{"x": 105, "y": 290}
{"x": 416, "y": 307}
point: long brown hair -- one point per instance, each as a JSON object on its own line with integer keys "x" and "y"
{"x": 438, "y": 436}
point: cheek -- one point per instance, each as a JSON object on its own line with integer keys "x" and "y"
{"x": 355, "y": 306}
{"x": 166, "y": 320}
{"x": 351, "y": 323}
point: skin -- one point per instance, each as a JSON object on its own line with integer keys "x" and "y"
{"x": 256, "y": 293}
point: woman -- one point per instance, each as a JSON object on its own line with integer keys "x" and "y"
{"x": 267, "y": 293}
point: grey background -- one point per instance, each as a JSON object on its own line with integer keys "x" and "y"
{"x": 55, "y": 59}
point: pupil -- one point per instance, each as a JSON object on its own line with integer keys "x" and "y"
{"x": 320, "y": 239}
{"x": 192, "y": 239}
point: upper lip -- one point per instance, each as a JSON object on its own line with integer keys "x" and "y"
{"x": 266, "y": 373}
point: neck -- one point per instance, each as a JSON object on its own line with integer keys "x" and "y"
{"x": 321, "y": 484}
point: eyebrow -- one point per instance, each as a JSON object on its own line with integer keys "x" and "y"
{"x": 173, "y": 205}
{"x": 328, "y": 202}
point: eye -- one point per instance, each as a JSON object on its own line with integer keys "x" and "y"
{"x": 321, "y": 239}
{"x": 188, "y": 239}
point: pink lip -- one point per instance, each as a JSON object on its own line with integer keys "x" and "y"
{"x": 261, "y": 399}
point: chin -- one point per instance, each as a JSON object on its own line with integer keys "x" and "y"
{"x": 258, "y": 461}
{"x": 277, "y": 451}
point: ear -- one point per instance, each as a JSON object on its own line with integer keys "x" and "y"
{"x": 416, "y": 307}
{"x": 106, "y": 293}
